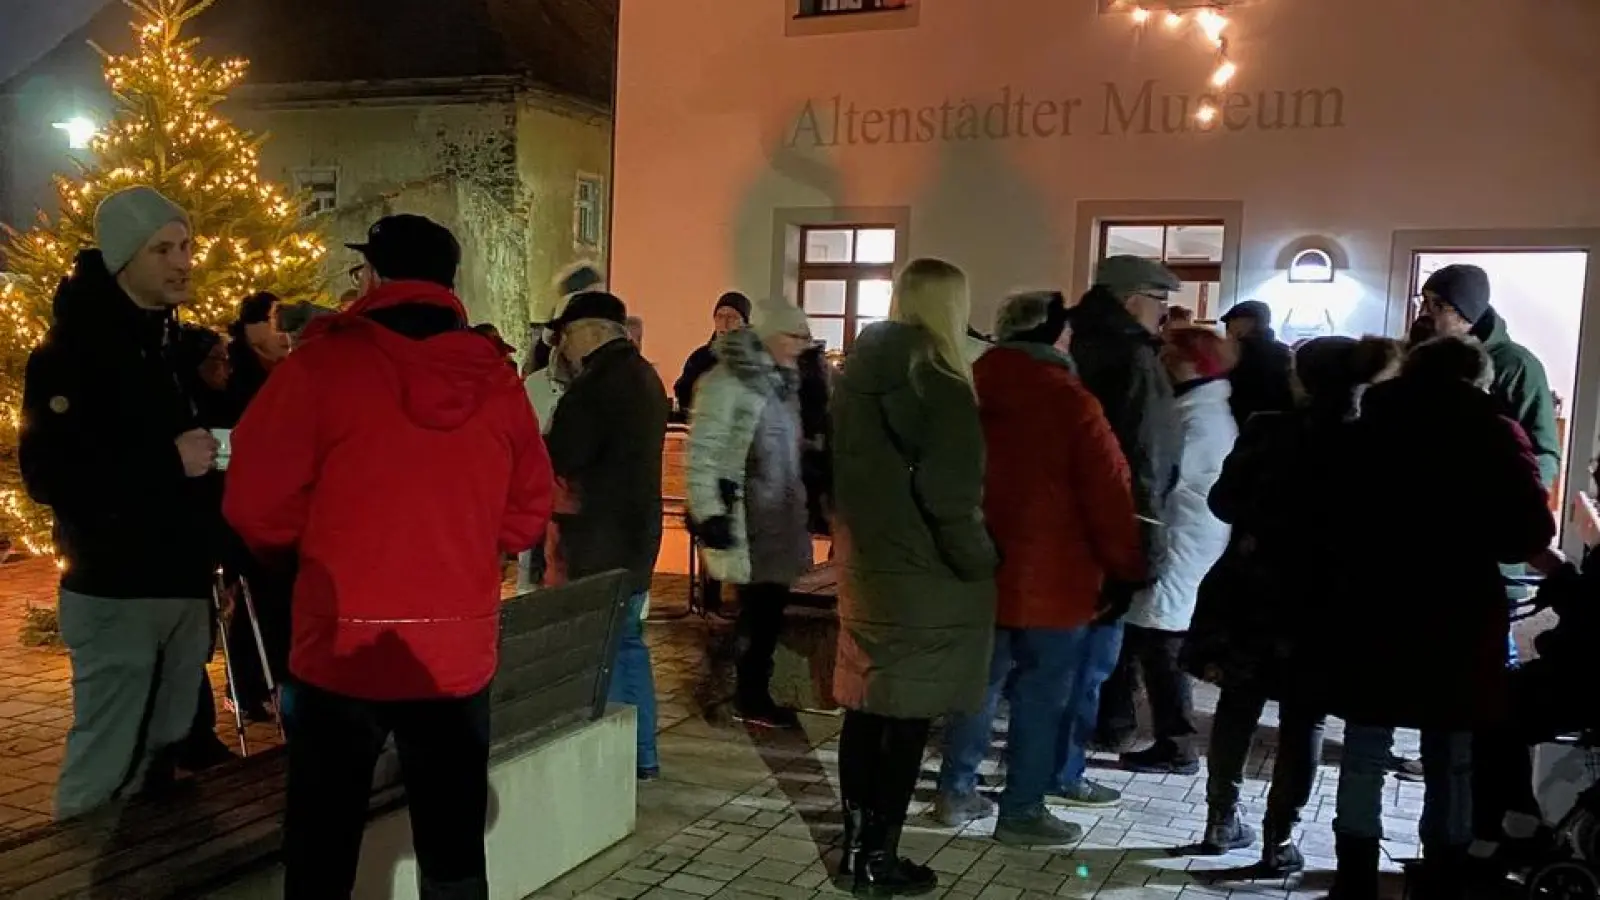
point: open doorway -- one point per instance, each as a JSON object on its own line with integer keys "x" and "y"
{"x": 1539, "y": 294}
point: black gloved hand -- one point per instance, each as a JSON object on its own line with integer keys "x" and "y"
{"x": 1116, "y": 598}
{"x": 716, "y": 533}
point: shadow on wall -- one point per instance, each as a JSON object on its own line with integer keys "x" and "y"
{"x": 981, "y": 213}
{"x": 793, "y": 177}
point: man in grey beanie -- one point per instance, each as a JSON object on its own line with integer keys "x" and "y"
{"x": 110, "y": 442}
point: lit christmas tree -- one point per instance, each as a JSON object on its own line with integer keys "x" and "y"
{"x": 247, "y": 233}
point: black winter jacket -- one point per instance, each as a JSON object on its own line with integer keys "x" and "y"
{"x": 605, "y": 442}
{"x": 102, "y": 407}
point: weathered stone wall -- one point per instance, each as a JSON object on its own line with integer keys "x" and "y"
{"x": 454, "y": 163}
{"x": 556, "y": 142}
{"x": 502, "y": 175}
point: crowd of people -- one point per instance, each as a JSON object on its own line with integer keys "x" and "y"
{"x": 1103, "y": 494}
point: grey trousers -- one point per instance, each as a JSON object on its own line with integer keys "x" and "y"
{"x": 136, "y": 670}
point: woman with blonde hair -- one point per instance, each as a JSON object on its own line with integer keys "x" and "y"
{"x": 917, "y": 599}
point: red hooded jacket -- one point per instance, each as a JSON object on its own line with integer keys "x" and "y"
{"x": 1057, "y": 494}
{"x": 397, "y": 468}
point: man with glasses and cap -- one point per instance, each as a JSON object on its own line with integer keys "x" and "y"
{"x": 1116, "y": 345}
{"x": 606, "y": 439}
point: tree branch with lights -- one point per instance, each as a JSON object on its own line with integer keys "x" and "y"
{"x": 1209, "y": 22}
{"x": 248, "y": 234}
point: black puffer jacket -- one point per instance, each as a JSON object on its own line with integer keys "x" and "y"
{"x": 101, "y": 410}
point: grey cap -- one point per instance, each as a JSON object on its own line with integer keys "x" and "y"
{"x": 1124, "y": 275}
{"x": 126, "y": 220}
{"x": 1022, "y": 312}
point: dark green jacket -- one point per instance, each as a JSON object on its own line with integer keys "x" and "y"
{"x": 1523, "y": 390}
{"x": 917, "y": 599}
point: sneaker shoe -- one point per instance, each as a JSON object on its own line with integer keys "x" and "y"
{"x": 1281, "y": 859}
{"x": 648, "y": 773}
{"x": 1038, "y": 830}
{"x": 955, "y": 811}
{"x": 1160, "y": 759}
{"x": 1226, "y": 832}
{"x": 1086, "y": 793}
{"x": 766, "y": 715}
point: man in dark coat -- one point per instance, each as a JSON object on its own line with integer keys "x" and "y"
{"x": 606, "y": 439}
{"x": 732, "y": 311}
{"x": 1456, "y": 299}
{"x": 1261, "y": 378}
{"x": 1116, "y": 347}
{"x": 111, "y": 443}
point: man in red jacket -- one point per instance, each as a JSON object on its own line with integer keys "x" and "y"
{"x": 1059, "y": 502}
{"x": 393, "y": 458}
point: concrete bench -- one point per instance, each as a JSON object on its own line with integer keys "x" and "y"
{"x": 561, "y": 779}
{"x": 802, "y": 667}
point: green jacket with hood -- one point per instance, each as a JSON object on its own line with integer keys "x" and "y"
{"x": 917, "y": 599}
{"x": 1523, "y": 390}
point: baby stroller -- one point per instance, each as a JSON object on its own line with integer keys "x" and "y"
{"x": 1566, "y": 864}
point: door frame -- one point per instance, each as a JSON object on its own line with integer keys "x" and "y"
{"x": 1583, "y": 416}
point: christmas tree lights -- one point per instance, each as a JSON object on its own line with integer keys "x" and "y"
{"x": 1210, "y": 23}
{"x": 247, "y": 232}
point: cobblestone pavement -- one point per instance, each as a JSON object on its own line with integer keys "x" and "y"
{"x": 738, "y": 814}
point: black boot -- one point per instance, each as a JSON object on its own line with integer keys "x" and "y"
{"x": 1357, "y": 875}
{"x": 879, "y": 869}
{"x": 849, "y": 845}
{"x": 1279, "y": 856}
{"x": 464, "y": 889}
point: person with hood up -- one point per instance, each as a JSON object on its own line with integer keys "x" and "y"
{"x": 731, "y": 312}
{"x": 111, "y": 444}
{"x": 606, "y": 441}
{"x": 1198, "y": 360}
{"x": 1251, "y": 613}
{"x": 1062, "y": 531}
{"x": 746, "y": 491}
{"x": 1429, "y": 565}
{"x": 917, "y": 592}
{"x": 1261, "y": 380}
{"x": 395, "y": 458}
{"x": 1116, "y": 346}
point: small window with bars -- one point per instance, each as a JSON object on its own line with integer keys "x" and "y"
{"x": 588, "y": 211}
{"x": 319, "y": 189}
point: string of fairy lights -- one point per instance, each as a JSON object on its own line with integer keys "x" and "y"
{"x": 1208, "y": 23}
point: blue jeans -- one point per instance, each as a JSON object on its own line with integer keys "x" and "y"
{"x": 1035, "y": 667}
{"x": 633, "y": 682}
{"x": 1447, "y": 780}
{"x": 1101, "y": 649}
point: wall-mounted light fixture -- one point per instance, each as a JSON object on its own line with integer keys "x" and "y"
{"x": 80, "y": 130}
{"x": 1312, "y": 265}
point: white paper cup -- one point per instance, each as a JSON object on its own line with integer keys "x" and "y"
{"x": 224, "y": 438}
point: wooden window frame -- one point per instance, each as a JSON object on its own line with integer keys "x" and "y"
{"x": 851, "y": 273}
{"x": 593, "y": 211}
{"x": 1204, "y": 274}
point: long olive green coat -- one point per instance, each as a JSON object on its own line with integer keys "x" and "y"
{"x": 916, "y": 607}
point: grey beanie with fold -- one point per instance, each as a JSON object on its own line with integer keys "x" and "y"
{"x": 126, "y": 220}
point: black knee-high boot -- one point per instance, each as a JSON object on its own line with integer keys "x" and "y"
{"x": 894, "y": 748}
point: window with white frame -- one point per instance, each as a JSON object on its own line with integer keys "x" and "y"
{"x": 846, "y": 279}
{"x": 588, "y": 211}
{"x": 319, "y": 188}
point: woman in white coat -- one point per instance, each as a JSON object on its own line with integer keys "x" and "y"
{"x": 1198, "y": 361}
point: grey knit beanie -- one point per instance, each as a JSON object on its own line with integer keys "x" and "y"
{"x": 127, "y": 219}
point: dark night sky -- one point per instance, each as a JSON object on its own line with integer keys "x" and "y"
{"x": 32, "y": 27}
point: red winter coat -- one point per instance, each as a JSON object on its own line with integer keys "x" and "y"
{"x": 399, "y": 457}
{"x": 1057, "y": 492}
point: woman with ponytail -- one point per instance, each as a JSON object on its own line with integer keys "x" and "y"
{"x": 917, "y": 598}
{"x": 1246, "y": 625}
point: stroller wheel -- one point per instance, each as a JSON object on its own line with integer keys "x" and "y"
{"x": 1564, "y": 881}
